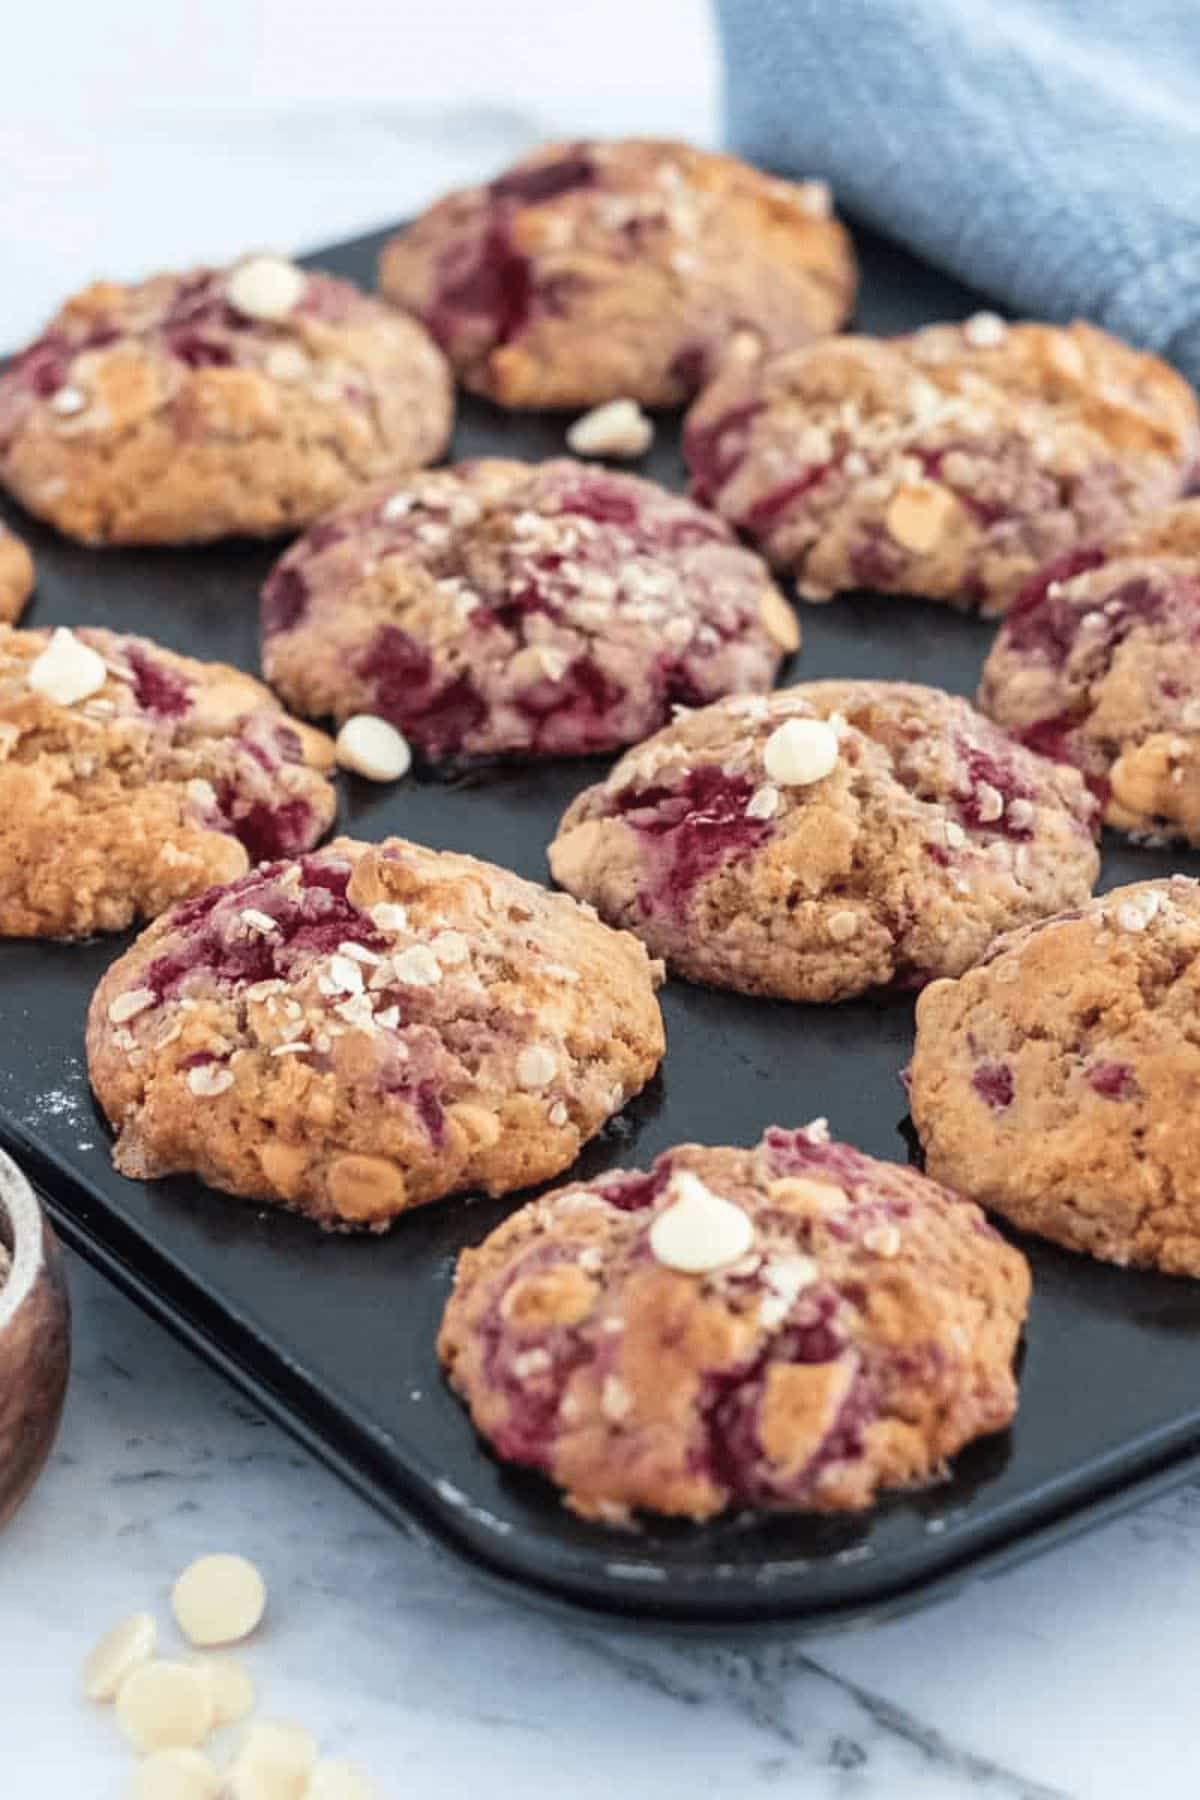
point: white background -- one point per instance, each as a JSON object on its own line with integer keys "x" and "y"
{"x": 145, "y": 133}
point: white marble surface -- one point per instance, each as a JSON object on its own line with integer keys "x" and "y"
{"x": 1074, "y": 1675}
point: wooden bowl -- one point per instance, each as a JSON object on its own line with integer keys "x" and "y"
{"x": 35, "y": 1339}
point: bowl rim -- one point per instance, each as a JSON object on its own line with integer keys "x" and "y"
{"x": 19, "y": 1204}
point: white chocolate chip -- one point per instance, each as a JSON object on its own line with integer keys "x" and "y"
{"x": 68, "y": 401}
{"x": 954, "y": 834}
{"x": 537, "y": 1066}
{"x": 176, "y": 1775}
{"x": 230, "y": 1688}
{"x": 128, "y": 1006}
{"x": 882, "y": 1240}
{"x": 989, "y": 802}
{"x": 697, "y": 1231}
{"x": 618, "y": 428}
{"x": 265, "y": 287}
{"x": 778, "y": 620}
{"x": 1136, "y": 913}
{"x": 218, "y": 1600}
{"x": 201, "y": 793}
{"x": 274, "y": 1763}
{"x": 558, "y": 1114}
{"x": 397, "y": 507}
{"x": 333, "y": 1779}
{"x": 388, "y": 915}
{"x": 67, "y": 670}
{"x": 118, "y": 1653}
{"x": 785, "y": 1277}
{"x": 209, "y": 1079}
{"x": 763, "y": 802}
{"x": 985, "y": 330}
{"x": 800, "y": 751}
{"x": 164, "y": 1706}
{"x": 790, "y": 1275}
{"x": 918, "y": 514}
{"x": 373, "y": 748}
{"x": 1021, "y": 814}
{"x": 417, "y": 967}
{"x": 817, "y": 1131}
{"x": 842, "y": 926}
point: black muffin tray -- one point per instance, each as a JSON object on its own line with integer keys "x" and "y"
{"x": 335, "y": 1336}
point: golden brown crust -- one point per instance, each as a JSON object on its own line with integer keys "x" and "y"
{"x": 597, "y": 270}
{"x": 866, "y": 1335}
{"x": 1056, "y": 1082}
{"x": 370, "y": 1028}
{"x": 952, "y": 463}
{"x": 157, "y": 414}
{"x": 931, "y": 833}
{"x": 16, "y": 576}
{"x": 119, "y": 804}
{"x": 1131, "y": 399}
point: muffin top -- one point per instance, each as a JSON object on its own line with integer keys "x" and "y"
{"x": 596, "y": 270}
{"x": 194, "y": 406}
{"x": 951, "y": 464}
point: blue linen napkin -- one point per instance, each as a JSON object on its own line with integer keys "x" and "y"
{"x": 1045, "y": 151}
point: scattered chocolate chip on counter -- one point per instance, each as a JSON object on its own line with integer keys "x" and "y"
{"x": 168, "y": 1709}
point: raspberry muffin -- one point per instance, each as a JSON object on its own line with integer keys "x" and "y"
{"x": 1099, "y": 664}
{"x": 131, "y": 777}
{"x": 950, "y": 464}
{"x": 829, "y": 838}
{"x": 1056, "y": 1082}
{"x": 592, "y": 271}
{"x": 221, "y": 401}
{"x": 16, "y": 576}
{"x": 795, "y": 1326}
{"x": 497, "y": 607}
{"x": 370, "y": 1027}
